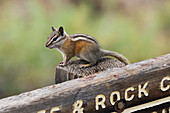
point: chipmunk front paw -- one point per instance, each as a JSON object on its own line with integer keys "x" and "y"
{"x": 61, "y": 64}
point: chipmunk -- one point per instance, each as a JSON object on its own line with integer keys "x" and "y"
{"x": 80, "y": 45}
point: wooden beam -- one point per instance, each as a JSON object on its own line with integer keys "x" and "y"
{"x": 135, "y": 84}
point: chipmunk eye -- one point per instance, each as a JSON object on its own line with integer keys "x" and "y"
{"x": 54, "y": 39}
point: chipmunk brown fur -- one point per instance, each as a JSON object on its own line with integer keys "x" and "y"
{"x": 80, "y": 45}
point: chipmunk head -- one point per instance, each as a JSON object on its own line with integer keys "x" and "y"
{"x": 56, "y": 38}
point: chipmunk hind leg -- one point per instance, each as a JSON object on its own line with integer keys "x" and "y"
{"x": 92, "y": 56}
{"x": 89, "y": 58}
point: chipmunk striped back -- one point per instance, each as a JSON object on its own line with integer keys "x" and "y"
{"x": 76, "y": 37}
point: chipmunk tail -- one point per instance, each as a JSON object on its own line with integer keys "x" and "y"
{"x": 118, "y": 56}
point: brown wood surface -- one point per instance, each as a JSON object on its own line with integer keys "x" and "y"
{"x": 65, "y": 94}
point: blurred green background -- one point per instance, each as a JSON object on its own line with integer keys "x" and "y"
{"x": 139, "y": 29}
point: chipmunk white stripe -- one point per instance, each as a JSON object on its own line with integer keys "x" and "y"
{"x": 82, "y": 38}
{"x": 86, "y": 37}
{"x": 52, "y": 39}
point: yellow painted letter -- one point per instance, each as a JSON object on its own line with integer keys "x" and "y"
{"x": 54, "y": 109}
{"x": 142, "y": 89}
{"x": 42, "y": 111}
{"x": 101, "y": 102}
{"x": 77, "y": 107}
{"x": 126, "y": 94}
{"x": 117, "y": 93}
{"x": 163, "y": 88}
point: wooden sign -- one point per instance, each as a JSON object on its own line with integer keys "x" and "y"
{"x": 158, "y": 106}
{"x": 141, "y": 87}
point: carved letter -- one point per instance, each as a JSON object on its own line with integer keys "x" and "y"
{"x": 142, "y": 89}
{"x": 126, "y": 94}
{"x": 162, "y": 84}
{"x": 101, "y": 102}
{"x": 77, "y": 107}
{"x": 117, "y": 93}
{"x": 54, "y": 109}
{"x": 42, "y": 111}
{"x": 164, "y": 111}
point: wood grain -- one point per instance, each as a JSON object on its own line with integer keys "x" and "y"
{"x": 73, "y": 70}
{"x": 87, "y": 88}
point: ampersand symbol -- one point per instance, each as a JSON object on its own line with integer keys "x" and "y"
{"x": 77, "y": 107}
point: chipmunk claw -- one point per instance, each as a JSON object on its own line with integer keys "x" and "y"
{"x": 61, "y": 64}
{"x": 84, "y": 66}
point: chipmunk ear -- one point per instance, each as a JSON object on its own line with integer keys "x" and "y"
{"x": 53, "y": 29}
{"x": 61, "y": 31}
